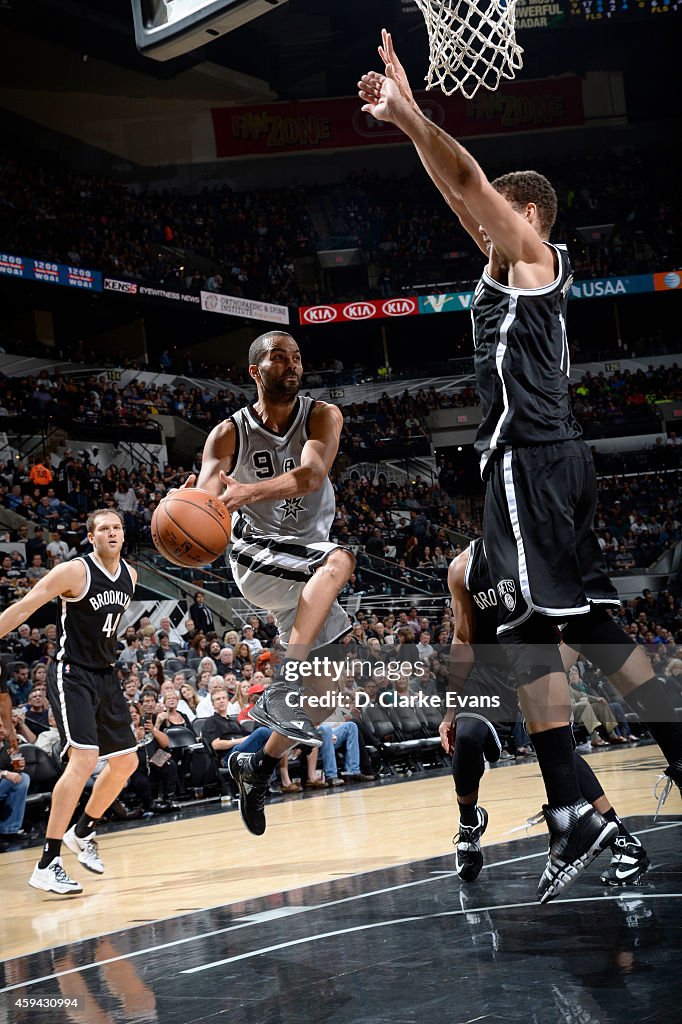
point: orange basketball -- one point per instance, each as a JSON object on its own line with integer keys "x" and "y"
{"x": 191, "y": 527}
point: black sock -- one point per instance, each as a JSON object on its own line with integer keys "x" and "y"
{"x": 554, "y": 749}
{"x": 652, "y": 703}
{"x": 85, "y": 826}
{"x": 622, "y": 831}
{"x": 468, "y": 813}
{"x": 51, "y": 849}
{"x": 264, "y": 764}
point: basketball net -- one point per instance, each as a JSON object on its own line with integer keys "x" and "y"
{"x": 472, "y": 43}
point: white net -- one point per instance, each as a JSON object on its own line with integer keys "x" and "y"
{"x": 472, "y": 43}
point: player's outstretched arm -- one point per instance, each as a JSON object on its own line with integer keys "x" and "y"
{"x": 67, "y": 579}
{"x": 369, "y": 89}
{"x": 511, "y": 234}
{"x": 317, "y": 458}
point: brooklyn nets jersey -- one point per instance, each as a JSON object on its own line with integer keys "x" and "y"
{"x": 522, "y": 362}
{"x": 260, "y": 453}
{"x": 88, "y": 624}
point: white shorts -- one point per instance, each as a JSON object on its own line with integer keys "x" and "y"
{"x": 271, "y": 574}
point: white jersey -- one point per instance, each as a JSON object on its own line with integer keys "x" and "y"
{"x": 278, "y": 545}
{"x": 260, "y": 453}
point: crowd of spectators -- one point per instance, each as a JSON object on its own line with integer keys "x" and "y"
{"x": 245, "y": 243}
{"x": 238, "y": 243}
{"x": 403, "y": 226}
{"x": 623, "y": 402}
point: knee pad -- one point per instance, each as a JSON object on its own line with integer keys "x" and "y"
{"x": 599, "y": 639}
{"x": 532, "y": 649}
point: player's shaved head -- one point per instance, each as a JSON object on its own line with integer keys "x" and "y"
{"x": 263, "y": 343}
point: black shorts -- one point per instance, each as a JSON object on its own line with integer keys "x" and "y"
{"x": 90, "y": 709}
{"x": 538, "y": 531}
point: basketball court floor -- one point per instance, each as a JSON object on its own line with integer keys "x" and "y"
{"x": 348, "y": 910}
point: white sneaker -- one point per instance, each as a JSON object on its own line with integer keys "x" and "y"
{"x": 54, "y": 878}
{"x": 85, "y": 849}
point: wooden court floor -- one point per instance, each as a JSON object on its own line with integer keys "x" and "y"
{"x": 181, "y": 866}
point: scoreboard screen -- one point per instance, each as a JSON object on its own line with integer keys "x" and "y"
{"x": 620, "y": 10}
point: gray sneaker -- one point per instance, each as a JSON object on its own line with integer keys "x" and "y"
{"x": 54, "y": 878}
{"x": 85, "y": 849}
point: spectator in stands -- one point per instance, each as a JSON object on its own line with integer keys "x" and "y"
{"x": 190, "y": 697}
{"x": 591, "y": 711}
{"x": 14, "y": 784}
{"x": 200, "y": 614}
{"x": 48, "y": 737}
{"x": 57, "y": 547}
{"x": 223, "y": 732}
{"x": 248, "y": 638}
{"x": 225, "y": 662}
{"x": 19, "y": 684}
{"x": 36, "y": 571}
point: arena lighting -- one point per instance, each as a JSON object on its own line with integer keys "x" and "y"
{"x": 168, "y": 28}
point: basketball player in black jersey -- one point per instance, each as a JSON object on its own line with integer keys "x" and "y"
{"x": 270, "y": 464}
{"x": 540, "y": 482}
{"x": 84, "y": 693}
{"x": 480, "y": 668}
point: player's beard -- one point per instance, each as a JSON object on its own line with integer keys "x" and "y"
{"x": 278, "y": 390}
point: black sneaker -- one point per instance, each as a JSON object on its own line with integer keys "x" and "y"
{"x": 468, "y": 856}
{"x": 629, "y": 862}
{"x": 577, "y": 834}
{"x": 280, "y": 710}
{"x": 253, "y": 789}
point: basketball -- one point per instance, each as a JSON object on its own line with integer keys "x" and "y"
{"x": 191, "y": 527}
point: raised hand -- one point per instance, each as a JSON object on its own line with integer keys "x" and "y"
{"x": 390, "y": 59}
{"x": 381, "y": 96}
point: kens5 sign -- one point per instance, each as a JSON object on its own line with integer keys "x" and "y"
{"x": 347, "y": 312}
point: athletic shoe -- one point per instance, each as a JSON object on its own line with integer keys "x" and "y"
{"x": 577, "y": 834}
{"x": 253, "y": 789}
{"x": 468, "y": 856}
{"x": 54, "y": 878}
{"x": 672, "y": 774}
{"x": 335, "y": 781}
{"x": 628, "y": 862}
{"x": 85, "y": 849}
{"x": 284, "y": 715}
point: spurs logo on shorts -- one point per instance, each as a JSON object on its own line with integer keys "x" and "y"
{"x": 507, "y": 591}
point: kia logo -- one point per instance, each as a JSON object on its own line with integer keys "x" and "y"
{"x": 319, "y": 314}
{"x": 360, "y": 310}
{"x": 399, "y": 307}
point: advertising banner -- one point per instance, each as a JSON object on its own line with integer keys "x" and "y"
{"x": 232, "y": 305}
{"x": 609, "y": 287}
{"x": 312, "y": 125}
{"x": 669, "y": 282}
{"x": 350, "y": 312}
{"x": 51, "y": 273}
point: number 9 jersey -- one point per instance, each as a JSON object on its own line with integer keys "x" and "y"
{"x": 261, "y": 454}
{"x": 87, "y": 624}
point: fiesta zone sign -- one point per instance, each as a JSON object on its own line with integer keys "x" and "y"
{"x": 351, "y": 312}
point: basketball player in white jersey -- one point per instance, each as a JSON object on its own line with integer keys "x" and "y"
{"x": 84, "y": 693}
{"x": 270, "y": 464}
{"x": 541, "y": 490}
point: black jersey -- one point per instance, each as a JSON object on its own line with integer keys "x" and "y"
{"x": 88, "y": 624}
{"x": 522, "y": 363}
